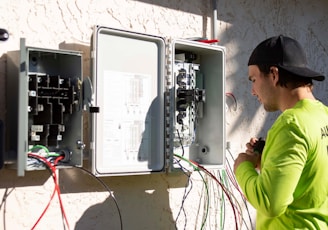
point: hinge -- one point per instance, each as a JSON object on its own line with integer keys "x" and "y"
{"x": 168, "y": 79}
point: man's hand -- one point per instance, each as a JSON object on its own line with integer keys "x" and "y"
{"x": 249, "y": 155}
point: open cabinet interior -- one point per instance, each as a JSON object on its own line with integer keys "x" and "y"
{"x": 197, "y": 95}
{"x": 44, "y": 99}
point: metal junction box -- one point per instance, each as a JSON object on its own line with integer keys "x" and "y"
{"x": 157, "y": 98}
{"x": 44, "y": 107}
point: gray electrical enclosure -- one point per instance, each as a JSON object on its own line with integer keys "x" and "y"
{"x": 153, "y": 101}
{"x": 157, "y": 98}
{"x": 44, "y": 107}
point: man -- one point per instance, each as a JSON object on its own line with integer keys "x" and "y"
{"x": 291, "y": 189}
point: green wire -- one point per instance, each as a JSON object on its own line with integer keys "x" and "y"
{"x": 208, "y": 200}
{"x": 39, "y": 147}
{"x": 206, "y": 187}
{"x": 53, "y": 155}
{"x": 45, "y": 149}
{"x": 222, "y": 197}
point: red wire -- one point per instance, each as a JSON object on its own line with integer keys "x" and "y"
{"x": 58, "y": 192}
{"x": 56, "y": 189}
{"x": 234, "y": 182}
{"x": 46, "y": 208}
{"x": 223, "y": 188}
{"x": 234, "y": 99}
{"x": 208, "y": 41}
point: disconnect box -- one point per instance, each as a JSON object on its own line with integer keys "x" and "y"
{"x": 157, "y": 98}
{"x": 44, "y": 107}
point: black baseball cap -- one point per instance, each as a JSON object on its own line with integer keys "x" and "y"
{"x": 285, "y": 53}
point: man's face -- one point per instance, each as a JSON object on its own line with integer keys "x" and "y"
{"x": 263, "y": 88}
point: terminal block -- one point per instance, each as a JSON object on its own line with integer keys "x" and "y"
{"x": 188, "y": 101}
{"x": 50, "y": 99}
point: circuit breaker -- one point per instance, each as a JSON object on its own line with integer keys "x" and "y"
{"x": 44, "y": 107}
{"x": 157, "y": 98}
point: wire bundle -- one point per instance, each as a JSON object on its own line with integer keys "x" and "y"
{"x": 50, "y": 160}
{"x": 218, "y": 187}
{"x": 51, "y": 166}
{"x": 226, "y": 184}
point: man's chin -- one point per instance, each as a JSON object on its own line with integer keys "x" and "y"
{"x": 269, "y": 109}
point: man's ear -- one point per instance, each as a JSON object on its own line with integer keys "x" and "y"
{"x": 274, "y": 71}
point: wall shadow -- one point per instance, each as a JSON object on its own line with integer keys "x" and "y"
{"x": 198, "y": 7}
{"x": 145, "y": 196}
{"x": 9, "y": 178}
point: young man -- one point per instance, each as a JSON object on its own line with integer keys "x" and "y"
{"x": 291, "y": 190}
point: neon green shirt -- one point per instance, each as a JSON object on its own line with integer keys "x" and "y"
{"x": 291, "y": 191}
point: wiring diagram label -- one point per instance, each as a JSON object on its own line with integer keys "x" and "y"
{"x": 126, "y": 122}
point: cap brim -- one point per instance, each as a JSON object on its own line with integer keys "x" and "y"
{"x": 304, "y": 72}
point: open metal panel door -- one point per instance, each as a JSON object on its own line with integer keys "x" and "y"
{"x": 128, "y": 80}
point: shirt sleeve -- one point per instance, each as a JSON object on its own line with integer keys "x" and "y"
{"x": 283, "y": 159}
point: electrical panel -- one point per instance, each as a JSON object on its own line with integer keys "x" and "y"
{"x": 157, "y": 98}
{"x": 151, "y": 99}
{"x": 44, "y": 107}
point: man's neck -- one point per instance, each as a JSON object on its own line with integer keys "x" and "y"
{"x": 289, "y": 97}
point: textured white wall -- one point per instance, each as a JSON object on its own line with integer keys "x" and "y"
{"x": 152, "y": 201}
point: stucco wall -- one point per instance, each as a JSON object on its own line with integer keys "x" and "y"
{"x": 150, "y": 201}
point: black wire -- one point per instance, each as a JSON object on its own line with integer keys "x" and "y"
{"x": 3, "y": 203}
{"x": 108, "y": 189}
{"x": 5, "y": 196}
{"x": 185, "y": 195}
{"x": 100, "y": 181}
